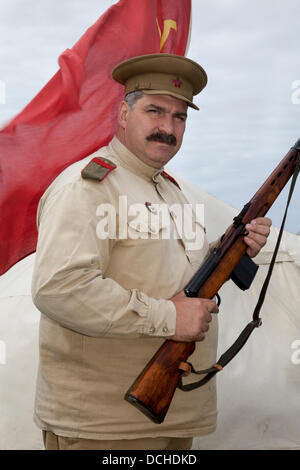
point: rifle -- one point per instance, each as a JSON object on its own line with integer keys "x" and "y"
{"x": 153, "y": 390}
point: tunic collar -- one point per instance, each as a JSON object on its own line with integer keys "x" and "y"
{"x": 130, "y": 161}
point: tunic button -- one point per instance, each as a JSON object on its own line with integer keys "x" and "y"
{"x": 165, "y": 329}
{"x": 152, "y": 329}
{"x": 151, "y": 208}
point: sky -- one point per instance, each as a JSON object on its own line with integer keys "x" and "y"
{"x": 249, "y": 112}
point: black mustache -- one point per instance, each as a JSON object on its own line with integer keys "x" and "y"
{"x": 161, "y": 137}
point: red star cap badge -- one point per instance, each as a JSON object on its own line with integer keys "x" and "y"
{"x": 177, "y": 82}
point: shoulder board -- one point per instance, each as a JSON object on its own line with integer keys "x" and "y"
{"x": 97, "y": 169}
{"x": 169, "y": 177}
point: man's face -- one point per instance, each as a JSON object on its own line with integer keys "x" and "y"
{"x": 154, "y": 129}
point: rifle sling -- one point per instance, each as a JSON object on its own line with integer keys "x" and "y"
{"x": 256, "y": 320}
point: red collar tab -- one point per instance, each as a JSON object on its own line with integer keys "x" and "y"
{"x": 166, "y": 175}
{"x": 98, "y": 169}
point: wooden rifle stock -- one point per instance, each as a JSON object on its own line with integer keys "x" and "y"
{"x": 153, "y": 390}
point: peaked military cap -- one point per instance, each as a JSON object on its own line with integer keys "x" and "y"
{"x": 162, "y": 74}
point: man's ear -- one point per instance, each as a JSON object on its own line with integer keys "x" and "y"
{"x": 124, "y": 111}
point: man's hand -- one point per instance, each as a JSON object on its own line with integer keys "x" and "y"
{"x": 193, "y": 317}
{"x": 258, "y": 232}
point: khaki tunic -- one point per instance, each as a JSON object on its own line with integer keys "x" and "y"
{"x": 104, "y": 302}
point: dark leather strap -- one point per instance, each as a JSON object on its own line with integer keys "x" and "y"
{"x": 256, "y": 320}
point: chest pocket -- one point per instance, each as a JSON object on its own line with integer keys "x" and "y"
{"x": 148, "y": 225}
{"x": 160, "y": 225}
{"x": 195, "y": 243}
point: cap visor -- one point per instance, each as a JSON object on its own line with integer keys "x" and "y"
{"x": 171, "y": 93}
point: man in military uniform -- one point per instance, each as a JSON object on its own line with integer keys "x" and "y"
{"x": 108, "y": 299}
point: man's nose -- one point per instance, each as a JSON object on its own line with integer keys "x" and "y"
{"x": 167, "y": 125}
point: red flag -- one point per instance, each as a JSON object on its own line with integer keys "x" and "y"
{"x": 75, "y": 113}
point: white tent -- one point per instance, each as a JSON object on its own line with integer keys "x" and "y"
{"x": 258, "y": 391}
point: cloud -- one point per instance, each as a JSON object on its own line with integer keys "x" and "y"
{"x": 247, "y": 121}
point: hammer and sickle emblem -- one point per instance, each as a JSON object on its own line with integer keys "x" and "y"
{"x": 168, "y": 25}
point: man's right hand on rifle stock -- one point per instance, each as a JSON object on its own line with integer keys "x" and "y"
{"x": 193, "y": 315}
